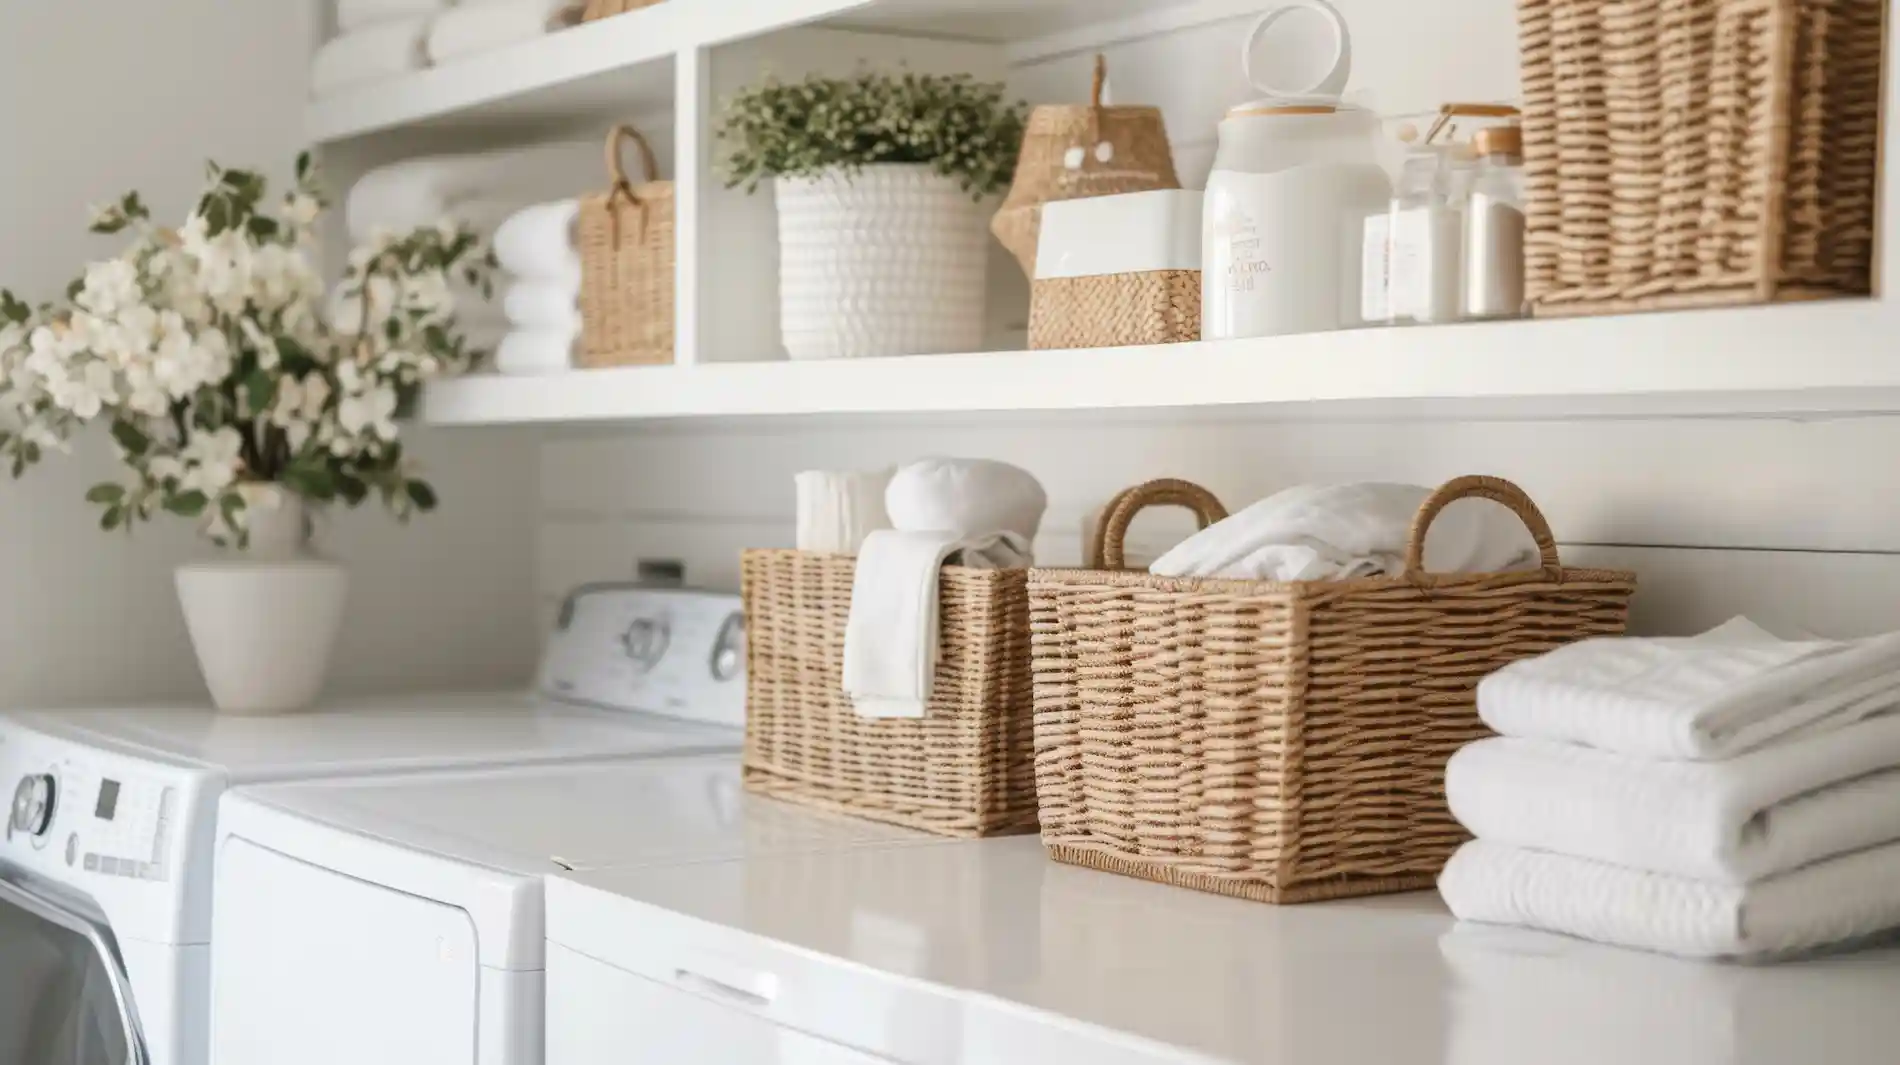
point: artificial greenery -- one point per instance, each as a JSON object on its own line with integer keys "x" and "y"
{"x": 963, "y": 128}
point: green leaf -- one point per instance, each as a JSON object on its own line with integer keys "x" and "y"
{"x": 311, "y": 482}
{"x": 421, "y": 495}
{"x": 188, "y": 504}
{"x": 133, "y": 207}
{"x": 73, "y": 290}
{"x": 110, "y": 224}
{"x": 262, "y": 229}
{"x": 260, "y": 390}
{"x": 304, "y": 162}
{"x": 106, "y": 493}
{"x": 135, "y": 443}
{"x": 112, "y": 518}
{"x": 13, "y": 308}
{"x": 295, "y": 357}
{"x": 351, "y": 490}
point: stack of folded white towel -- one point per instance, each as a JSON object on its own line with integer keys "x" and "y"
{"x": 541, "y": 300}
{"x": 1726, "y": 795}
{"x": 381, "y": 39}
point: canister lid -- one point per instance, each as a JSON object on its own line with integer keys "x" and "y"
{"x": 1327, "y": 89}
{"x": 1498, "y": 140}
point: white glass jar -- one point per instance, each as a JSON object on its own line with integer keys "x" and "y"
{"x": 1294, "y": 180}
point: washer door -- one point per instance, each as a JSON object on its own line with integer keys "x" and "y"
{"x": 64, "y": 995}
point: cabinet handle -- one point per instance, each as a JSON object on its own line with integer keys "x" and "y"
{"x": 720, "y": 989}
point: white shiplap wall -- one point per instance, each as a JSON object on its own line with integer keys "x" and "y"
{"x": 1794, "y": 522}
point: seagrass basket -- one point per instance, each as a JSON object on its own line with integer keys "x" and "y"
{"x": 626, "y": 241}
{"x": 964, "y": 769}
{"x": 1690, "y": 153}
{"x": 1282, "y": 742}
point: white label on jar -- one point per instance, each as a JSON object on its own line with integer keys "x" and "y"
{"x": 1375, "y": 274}
{"x": 1427, "y": 254}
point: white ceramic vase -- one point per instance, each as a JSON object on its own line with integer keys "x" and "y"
{"x": 265, "y": 620}
{"x": 887, "y": 260}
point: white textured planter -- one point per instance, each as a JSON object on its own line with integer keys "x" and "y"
{"x": 889, "y": 260}
{"x": 264, "y": 623}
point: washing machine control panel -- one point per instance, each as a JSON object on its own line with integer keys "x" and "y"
{"x": 78, "y": 814}
{"x": 672, "y": 651}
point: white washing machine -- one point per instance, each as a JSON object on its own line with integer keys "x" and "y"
{"x": 400, "y": 921}
{"x": 106, "y": 865}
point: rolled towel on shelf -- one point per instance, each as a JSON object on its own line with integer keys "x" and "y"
{"x": 1730, "y": 822}
{"x": 1730, "y": 690}
{"x": 536, "y": 351}
{"x": 542, "y": 305}
{"x": 1337, "y": 532}
{"x": 472, "y": 28}
{"x": 837, "y": 510}
{"x": 1828, "y": 903}
{"x": 371, "y": 54}
{"x": 420, "y": 192}
{"x": 354, "y": 15}
{"x": 537, "y": 243}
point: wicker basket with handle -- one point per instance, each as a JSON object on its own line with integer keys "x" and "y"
{"x": 600, "y": 9}
{"x": 626, "y": 242}
{"x": 1283, "y": 742}
{"x": 1699, "y": 152}
{"x": 964, "y": 769}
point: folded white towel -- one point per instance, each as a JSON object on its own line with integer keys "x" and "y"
{"x": 1838, "y": 900}
{"x": 1713, "y": 696}
{"x": 420, "y": 192}
{"x": 354, "y": 15}
{"x": 542, "y": 305}
{"x": 1335, "y": 532}
{"x": 972, "y": 511}
{"x": 890, "y": 640}
{"x": 481, "y": 27}
{"x": 538, "y": 243}
{"x": 838, "y": 509}
{"x": 536, "y": 351}
{"x": 1729, "y": 822}
{"x": 373, "y": 53}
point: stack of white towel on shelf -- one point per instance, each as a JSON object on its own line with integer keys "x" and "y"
{"x": 381, "y": 39}
{"x": 541, "y": 298}
{"x": 1732, "y": 794}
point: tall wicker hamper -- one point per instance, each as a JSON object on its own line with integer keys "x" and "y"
{"x": 965, "y": 769}
{"x": 1283, "y": 742}
{"x": 626, "y": 240}
{"x": 1699, "y": 152}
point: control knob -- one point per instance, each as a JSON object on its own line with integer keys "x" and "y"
{"x": 33, "y": 805}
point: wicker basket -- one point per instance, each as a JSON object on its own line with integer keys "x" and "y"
{"x": 626, "y": 244}
{"x": 1699, "y": 152}
{"x": 965, "y": 769}
{"x": 1283, "y": 742}
{"x": 1112, "y": 310}
{"x": 600, "y": 9}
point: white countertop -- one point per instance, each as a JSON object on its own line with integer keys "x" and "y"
{"x": 1384, "y": 981}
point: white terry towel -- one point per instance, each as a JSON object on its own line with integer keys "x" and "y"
{"x": 1335, "y": 532}
{"x": 1835, "y": 901}
{"x": 1729, "y": 822}
{"x": 542, "y": 304}
{"x": 374, "y": 53}
{"x": 975, "y": 512}
{"x": 537, "y": 351}
{"x": 354, "y": 15}
{"x": 538, "y": 243}
{"x": 838, "y": 509}
{"x": 419, "y": 192}
{"x": 486, "y": 25}
{"x": 1730, "y": 690}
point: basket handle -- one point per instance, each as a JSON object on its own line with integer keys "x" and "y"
{"x": 623, "y": 186}
{"x": 1121, "y": 512}
{"x": 1097, "y": 86}
{"x": 1496, "y": 489}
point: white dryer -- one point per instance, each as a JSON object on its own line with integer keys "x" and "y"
{"x": 400, "y": 921}
{"x": 106, "y": 863}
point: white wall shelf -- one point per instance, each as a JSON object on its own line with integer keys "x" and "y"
{"x": 1749, "y": 361}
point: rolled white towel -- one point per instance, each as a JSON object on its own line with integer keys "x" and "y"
{"x": 374, "y": 53}
{"x": 973, "y": 497}
{"x": 537, "y": 351}
{"x": 419, "y": 192}
{"x": 354, "y": 15}
{"x": 480, "y": 27}
{"x": 542, "y": 305}
{"x": 837, "y": 510}
{"x": 537, "y": 243}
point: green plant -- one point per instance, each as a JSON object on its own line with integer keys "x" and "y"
{"x": 963, "y": 128}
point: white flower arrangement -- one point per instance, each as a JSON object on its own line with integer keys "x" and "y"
{"x": 225, "y": 368}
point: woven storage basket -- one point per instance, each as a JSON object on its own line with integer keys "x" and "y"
{"x": 1283, "y": 742}
{"x": 600, "y": 9}
{"x": 1070, "y": 152}
{"x": 964, "y": 769}
{"x": 1699, "y": 152}
{"x": 1110, "y": 310}
{"x": 626, "y": 243}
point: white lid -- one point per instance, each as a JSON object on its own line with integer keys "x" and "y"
{"x": 1135, "y": 232}
{"x": 1329, "y": 89}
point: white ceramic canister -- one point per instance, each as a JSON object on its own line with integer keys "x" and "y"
{"x": 1294, "y": 180}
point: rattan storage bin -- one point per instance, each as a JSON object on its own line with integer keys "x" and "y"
{"x": 1699, "y": 152}
{"x": 1283, "y": 742}
{"x": 626, "y": 243}
{"x": 965, "y": 769}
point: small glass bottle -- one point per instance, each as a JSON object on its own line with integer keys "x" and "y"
{"x": 1494, "y": 227}
{"x": 1426, "y": 231}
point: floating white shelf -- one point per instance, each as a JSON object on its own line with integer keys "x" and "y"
{"x": 1837, "y": 358}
